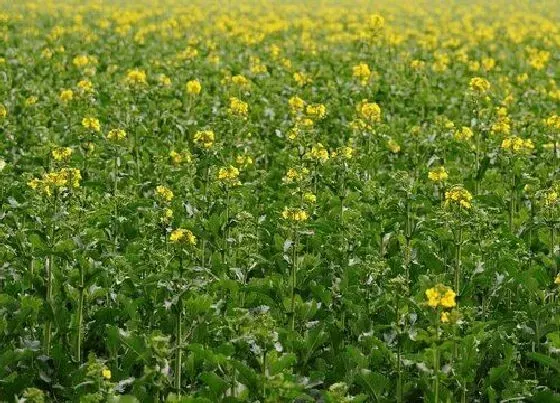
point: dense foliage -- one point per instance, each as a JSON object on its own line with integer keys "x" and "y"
{"x": 279, "y": 201}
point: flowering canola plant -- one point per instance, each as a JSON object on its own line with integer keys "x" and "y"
{"x": 271, "y": 201}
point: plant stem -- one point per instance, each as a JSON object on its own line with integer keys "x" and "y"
{"x": 294, "y": 273}
{"x": 458, "y": 246}
{"x": 80, "y": 316}
{"x": 179, "y": 334}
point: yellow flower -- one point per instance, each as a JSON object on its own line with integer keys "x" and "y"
{"x": 167, "y": 215}
{"x": 91, "y": 123}
{"x": 243, "y": 160}
{"x": 309, "y": 197}
{"x": 433, "y": 297}
{"x": 238, "y": 107}
{"x": 294, "y": 214}
{"x": 362, "y": 72}
{"x": 464, "y": 134}
{"x": 417, "y": 65}
{"x": 445, "y": 317}
{"x": 85, "y": 86}
{"x": 521, "y": 78}
{"x": 557, "y": 280}
{"x": 393, "y": 146}
{"x": 136, "y": 77}
{"x": 369, "y": 111}
{"x": 204, "y": 138}
{"x": 163, "y": 80}
{"x": 3, "y": 111}
{"x": 61, "y": 153}
{"x": 81, "y": 61}
{"x": 438, "y": 174}
{"x": 301, "y": 78}
{"x": 448, "y": 299}
{"x": 66, "y": 95}
{"x": 229, "y": 175}
{"x": 317, "y": 111}
{"x": 240, "y": 80}
{"x": 517, "y": 145}
{"x": 440, "y": 295}
{"x": 296, "y": 104}
{"x": 178, "y": 158}
{"x": 193, "y": 87}
{"x": 488, "y": 63}
{"x": 479, "y": 85}
{"x": 30, "y": 101}
{"x": 318, "y": 152}
{"x": 376, "y": 22}
{"x": 106, "y": 373}
{"x": 459, "y": 196}
{"x": 552, "y": 121}
{"x": 346, "y": 152}
{"x": 182, "y": 235}
{"x": 116, "y": 134}
{"x": 164, "y": 193}
{"x": 294, "y": 175}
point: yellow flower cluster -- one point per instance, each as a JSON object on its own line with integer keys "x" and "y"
{"x": 66, "y": 95}
{"x": 294, "y": 214}
{"x": 557, "y": 280}
{"x": 163, "y": 80}
{"x": 296, "y": 105}
{"x": 369, "y": 111}
{"x": 164, "y": 193}
{"x": 361, "y": 72}
{"x": 295, "y": 175}
{"x": 238, "y": 107}
{"x": 317, "y": 111}
{"x": 479, "y": 85}
{"x": 538, "y": 59}
{"x": 440, "y": 295}
{"x": 438, "y": 174}
{"x": 30, "y": 101}
{"x": 240, "y": 81}
{"x": 193, "y": 87}
{"x": 301, "y": 78}
{"x": 553, "y": 121}
{"x": 345, "y": 152}
{"x": 3, "y": 111}
{"x": 65, "y": 178}
{"x": 106, "y": 373}
{"x": 244, "y": 160}
{"x": 309, "y": 197}
{"x": 464, "y": 134}
{"x": 116, "y": 134}
{"x": 459, "y": 196}
{"x": 318, "y": 152}
{"x": 229, "y": 175}
{"x": 393, "y": 146}
{"x": 61, "y": 153}
{"x": 204, "y": 138}
{"x": 91, "y": 123}
{"x": 518, "y": 145}
{"x": 85, "y": 86}
{"x": 136, "y": 77}
{"x": 179, "y": 158}
{"x": 83, "y": 60}
{"x": 181, "y": 235}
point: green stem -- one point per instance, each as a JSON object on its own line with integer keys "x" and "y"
{"x": 458, "y": 246}
{"x": 294, "y": 274}
{"x": 80, "y": 316}
{"x": 512, "y": 204}
{"x": 179, "y": 334}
